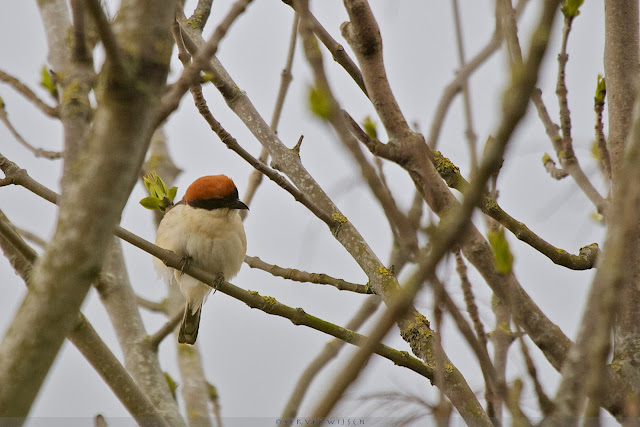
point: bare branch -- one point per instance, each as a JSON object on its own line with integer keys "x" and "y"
{"x": 469, "y": 300}
{"x": 201, "y": 14}
{"x": 94, "y": 197}
{"x": 38, "y": 152}
{"x": 583, "y": 261}
{"x": 454, "y": 87}
{"x": 191, "y": 72}
{"x": 336, "y": 49}
{"x": 551, "y": 168}
{"x": 466, "y": 95}
{"x": 29, "y": 94}
{"x": 603, "y": 151}
{"x": 546, "y": 405}
{"x": 494, "y": 384}
{"x": 159, "y": 307}
{"x": 303, "y": 276}
{"x": 164, "y": 331}
{"x": 107, "y": 36}
{"x": 585, "y": 369}
{"x": 565, "y": 153}
{"x": 285, "y": 79}
{"x": 363, "y": 35}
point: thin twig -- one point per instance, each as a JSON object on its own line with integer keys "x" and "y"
{"x": 114, "y": 54}
{"x": 469, "y": 300}
{"x": 603, "y": 151}
{"x": 336, "y": 49}
{"x": 462, "y": 75}
{"x": 285, "y": 80}
{"x": 34, "y": 238}
{"x": 165, "y": 330}
{"x": 566, "y": 156}
{"x": 439, "y": 356}
{"x": 562, "y": 91}
{"x": 550, "y": 166}
{"x": 453, "y": 88}
{"x": 546, "y": 405}
{"x": 158, "y": 307}
{"x": 38, "y": 152}
{"x": 29, "y": 94}
{"x": 466, "y": 94}
{"x": 479, "y": 348}
{"x": 303, "y": 276}
{"x": 200, "y": 61}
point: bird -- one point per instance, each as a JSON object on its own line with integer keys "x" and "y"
{"x": 206, "y": 230}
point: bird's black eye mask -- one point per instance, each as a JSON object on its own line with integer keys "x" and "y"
{"x": 231, "y": 201}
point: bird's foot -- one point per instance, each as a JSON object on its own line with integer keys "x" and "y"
{"x": 216, "y": 283}
{"x": 184, "y": 261}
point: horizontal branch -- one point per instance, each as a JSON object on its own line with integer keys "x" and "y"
{"x": 303, "y": 276}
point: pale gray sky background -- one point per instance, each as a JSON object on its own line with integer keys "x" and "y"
{"x": 254, "y": 359}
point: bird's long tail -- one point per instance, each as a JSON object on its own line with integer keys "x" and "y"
{"x": 190, "y": 323}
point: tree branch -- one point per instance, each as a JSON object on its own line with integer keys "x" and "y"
{"x": 29, "y": 94}
{"x": 285, "y": 79}
{"x": 303, "y": 276}
{"x": 164, "y": 331}
{"x": 114, "y": 54}
{"x": 201, "y": 14}
{"x": 38, "y": 152}
{"x": 191, "y": 73}
{"x": 159, "y": 307}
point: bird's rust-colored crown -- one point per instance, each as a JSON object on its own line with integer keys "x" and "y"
{"x": 209, "y": 187}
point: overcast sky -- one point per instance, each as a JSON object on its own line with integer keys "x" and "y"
{"x": 254, "y": 359}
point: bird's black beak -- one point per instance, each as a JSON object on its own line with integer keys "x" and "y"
{"x": 239, "y": 205}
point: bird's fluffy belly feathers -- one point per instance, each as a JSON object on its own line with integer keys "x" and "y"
{"x": 214, "y": 239}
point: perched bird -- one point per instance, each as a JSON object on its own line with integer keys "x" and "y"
{"x": 206, "y": 230}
